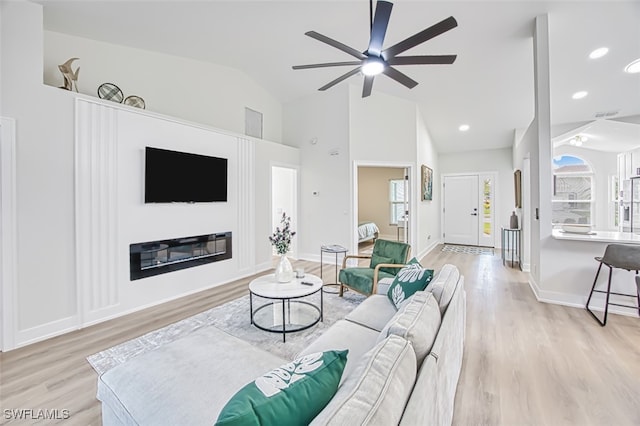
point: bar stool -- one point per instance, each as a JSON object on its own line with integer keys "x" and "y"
{"x": 620, "y": 256}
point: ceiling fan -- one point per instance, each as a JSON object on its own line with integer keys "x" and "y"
{"x": 375, "y": 59}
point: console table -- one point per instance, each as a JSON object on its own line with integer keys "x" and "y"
{"x": 335, "y": 249}
{"x": 511, "y": 246}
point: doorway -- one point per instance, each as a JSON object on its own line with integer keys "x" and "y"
{"x": 468, "y": 209}
{"x": 284, "y": 199}
{"x": 382, "y": 207}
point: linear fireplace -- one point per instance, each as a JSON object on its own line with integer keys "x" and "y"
{"x": 162, "y": 256}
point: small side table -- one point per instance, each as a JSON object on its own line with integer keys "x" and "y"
{"x": 511, "y": 245}
{"x": 335, "y": 249}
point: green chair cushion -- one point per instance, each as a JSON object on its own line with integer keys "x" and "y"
{"x": 377, "y": 259}
{"x": 290, "y": 395}
{"x": 361, "y": 279}
{"x": 392, "y": 252}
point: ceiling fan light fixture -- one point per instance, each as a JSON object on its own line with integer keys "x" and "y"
{"x": 373, "y": 66}
{"x": 633, "y": 67}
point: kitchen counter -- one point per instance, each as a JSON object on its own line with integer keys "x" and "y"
{"x": 598, "y": 236}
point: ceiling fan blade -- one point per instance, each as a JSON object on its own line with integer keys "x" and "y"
{"x": 341, "y": 78}
{"x": 325, "y": 65}
{"x": 400, "y": 77}
{"x": 368, "y": 85}
{"x": 379, "y": 27}
{"x": 334, "y": 43}
{"x": 422, "y": 60}
{"x": 421, "y": 37}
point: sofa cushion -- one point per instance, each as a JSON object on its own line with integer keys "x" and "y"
{"x": 361, "y": 279}
{"x": 377, "y": 392}
{"x": 374, "y": 312}
{"x": 418, "y": 321}
{"x": 292, "y": 394}
{"x": 182, "y": 380}
{"x": 408, "y": 280}
{"x": 444, "y": 284}
{"x": 345, "y": 335}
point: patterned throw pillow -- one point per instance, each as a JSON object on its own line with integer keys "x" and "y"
{"x": 409, "y": 279}
{"x": 292, "y": 394}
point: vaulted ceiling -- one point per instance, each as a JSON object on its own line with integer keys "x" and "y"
{"x": 490, "y": 86}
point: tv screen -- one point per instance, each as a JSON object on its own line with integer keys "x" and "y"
{"x": 172, "y": 177}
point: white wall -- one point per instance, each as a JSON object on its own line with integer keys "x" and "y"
{"x": 319, "y": 126}
{"x": 378, "y": 130}
{"x": 428, "y": 212}
{"x": 381, "y": 127}
{"x": 284, "y": 190}
{"x": 274, "y": 154}
{"x": 48, "y": 299}
{"x": 197, "y": 91}
{"x": 44, "y": 171}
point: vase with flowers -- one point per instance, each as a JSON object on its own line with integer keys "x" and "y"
{"x": 281, "y": 240}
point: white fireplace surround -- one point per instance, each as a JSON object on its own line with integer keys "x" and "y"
{"x": 110, "y": 214}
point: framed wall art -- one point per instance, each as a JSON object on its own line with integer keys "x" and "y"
{"x": 427, "y": 184}
{"x": 517, "y": 181}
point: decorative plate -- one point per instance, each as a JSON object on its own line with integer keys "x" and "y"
{"x": 110, "y": 92}
{"x": 134, "y": 101}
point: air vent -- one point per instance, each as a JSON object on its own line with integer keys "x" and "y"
{"x": 604, "y": 114}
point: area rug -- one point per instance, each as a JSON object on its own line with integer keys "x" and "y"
{"x": 232, "y": 317}
{"x": 468, "y": 250}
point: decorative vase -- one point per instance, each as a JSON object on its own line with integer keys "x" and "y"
{"x": 284, "y": 270}
{"x": 514, "y": 221}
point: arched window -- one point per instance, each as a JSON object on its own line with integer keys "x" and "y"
{"x": 572, "y": 191}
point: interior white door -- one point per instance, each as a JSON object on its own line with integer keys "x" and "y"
{"x": 460, "y": 210}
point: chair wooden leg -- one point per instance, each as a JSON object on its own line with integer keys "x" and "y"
{"x": 341, "y": 291}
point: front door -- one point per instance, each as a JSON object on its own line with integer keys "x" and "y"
{"x": 461, "y": 210}
{"x": 468, "y": 213}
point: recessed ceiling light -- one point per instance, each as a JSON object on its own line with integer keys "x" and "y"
{"x": 463, "y": 128}
{"x": 599, "y": 53}
{"x": 579, "y": 95}
{"x": 633, "y": 67}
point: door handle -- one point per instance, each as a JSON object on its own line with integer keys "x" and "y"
{"x": 474, "y": 214}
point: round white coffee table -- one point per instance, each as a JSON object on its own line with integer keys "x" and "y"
{"x": 286, "y": 312}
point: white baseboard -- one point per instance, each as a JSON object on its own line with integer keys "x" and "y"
{"x": 575, "y": 301}
{"x": 45, "y": 331}
{"x": 66, "y": 325}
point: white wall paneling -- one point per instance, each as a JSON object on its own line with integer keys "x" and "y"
{"x": 96, "y": 208}
{"x": 244, "y": 242}
{"x": 8, "y": 249}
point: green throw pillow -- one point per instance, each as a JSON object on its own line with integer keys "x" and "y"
{"x": 408, "y": 280}
{"x": 292, "y": 394}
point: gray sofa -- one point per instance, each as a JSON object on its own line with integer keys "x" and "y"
{"x": 402, "y": 368}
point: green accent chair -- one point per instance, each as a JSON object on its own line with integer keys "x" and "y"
{"x": 387, "y": 258}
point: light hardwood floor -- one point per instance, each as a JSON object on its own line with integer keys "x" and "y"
{"x": 525, "y": 362}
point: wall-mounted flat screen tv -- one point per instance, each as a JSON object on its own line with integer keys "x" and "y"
{"x": 175, "y": 177}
